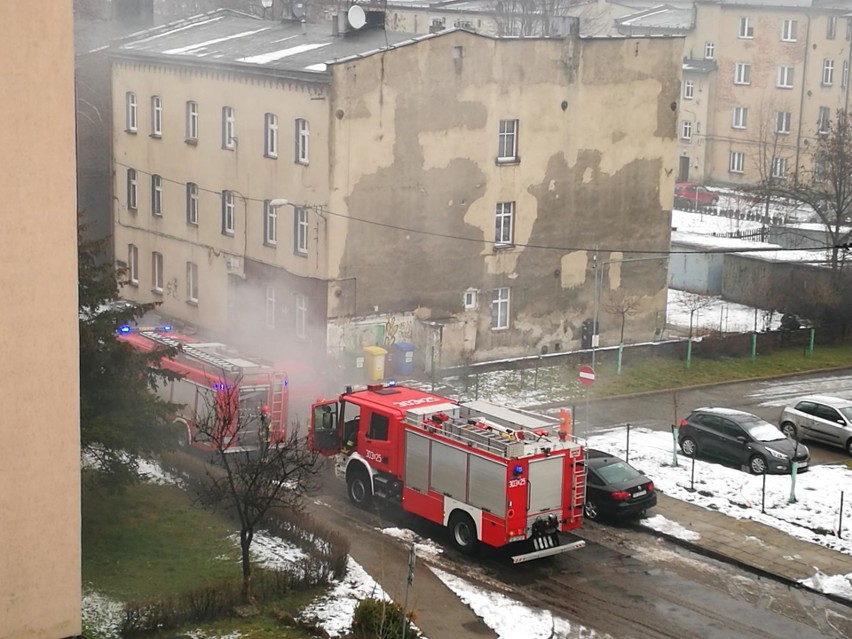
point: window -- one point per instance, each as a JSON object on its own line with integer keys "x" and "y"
{"x": 686, "y": 130}
{"x": 192, "y": 283}
{"x": 270, "y": 224}
{"x": 788, "y": 31}
{"x": 270, "y": 307}
{"x": 157, "y": 272}
{"x": 379, "y": 427}
{"x": 301, "y": 315}
{"x": 844, "y": 74}
{"x": 827, "y": 72}
{"x": 782, "y": 122}
{"x": 740, "y": 117}
{"x": 831, "y": 27}
{"x": 507, "y": 148}
{"x": 156, "y": 116}
{"x": 500, "y": 308}
{"x": 131, "y": 114}
{"x": 742, "y": 73}
{"x": 133, "y": 264}
{"x": 688, "y": 89}
{"x": 779, "y": 167}
{"x": 270, "y": 135}
{"x": 229, "y": 140}
{"x": 227, "y": 212}
{"x": 191, "y": 121}
{"x": 156, "y": 195}
{"x": 192, "y": 204}
{"x": 824, "y": 120}
{"x": 504, "y": 227}
{"x": 746, "y": 28}
{"x": 709, "y": 50}
{"x": 785, "y": 77}
{"x": 300, "y": 231}
{"x": 302, "y": 138}
{"x": 469, "y": 299}
{"x": 131, "y": 189}
{"x": 736, "y": 162}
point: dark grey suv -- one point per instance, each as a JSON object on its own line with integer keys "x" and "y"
{"x": 741, "y": 438}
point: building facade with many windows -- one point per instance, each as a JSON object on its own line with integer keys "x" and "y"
{"x": 320, "y": 186}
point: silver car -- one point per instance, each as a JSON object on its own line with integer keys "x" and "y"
{"x": 821, "y": 418}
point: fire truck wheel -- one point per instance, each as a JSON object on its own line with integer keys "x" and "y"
{"x": 358, "y": 484}
{"x": 463, "y": 532}
{"x": 590, "y": 510}
{"x": 182, "y": 434}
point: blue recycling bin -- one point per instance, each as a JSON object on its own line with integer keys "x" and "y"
{"x": 403, "y": 358}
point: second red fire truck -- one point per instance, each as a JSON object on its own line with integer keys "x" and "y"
{"x": 490, "y": 474}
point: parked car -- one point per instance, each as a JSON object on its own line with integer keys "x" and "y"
{"x": 689, "y": 195}
{"x": 821, "y": 418}
{"x": 741, "y": 438}
{"x": 615, "y": 489}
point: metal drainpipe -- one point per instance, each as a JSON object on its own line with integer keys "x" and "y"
{"x": 802, "y": 98}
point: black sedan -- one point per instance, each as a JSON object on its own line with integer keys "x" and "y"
{"x": 740, "y": 438}
{"x": 615, "y": 489}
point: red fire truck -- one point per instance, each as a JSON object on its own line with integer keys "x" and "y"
{"x": 490, "y": 474}
{"x": 210, "y": 373}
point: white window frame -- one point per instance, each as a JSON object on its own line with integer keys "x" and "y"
{"x": 500, "y": 306}
{"x": 156, "y": 195}
{"x": 228, "y": 213}
{"x": 688, "y": 89}
{"x": 507, "y": 142}
{"x": 270, "y": 135}
{"x": 779, "y": 167}
{"x": 788, "y": 30}
{"x": 746, "y": 29}
{"x": 827, "y": 72}
{"x": 504, "y": 224}
{"x": 191, "y": 121}
{"x": 686, "y": 130}
{"x": 229, "y": 128}
{"x": 270, "y": 223}
{"x": 191, "y": 283}
{"x": 192, "y": 203}
{"x": 133, "y": 264}
{"x": 709, "y": 51}
{"x": 303, "y": 141}
{"x": 784, "y": 78}
{"x": 300, "y": 230}
{"x": 132, "y": 190}
{"x": 831, "y": 28}
{"x": 742, "y": 73}
{"x": 782, "y": 122}
{"x": 736, "y": 162}
{"x": 156, "y": 116}
{"x": 739, "y": 117}
{"x": 470, "y": 299}
{"x": 270, "y": 306}
{"x": 157, "y": 272}
{"x": 132, "y": 112}
{"x": 824, "y": 120}
{"x": 844, "y": 74}
{"x": 301, "y": 307}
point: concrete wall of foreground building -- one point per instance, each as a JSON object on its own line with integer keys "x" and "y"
{"x": 40, "y": 457}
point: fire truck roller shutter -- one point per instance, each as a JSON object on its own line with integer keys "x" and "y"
{"x": 487, "y": 487}
{"x": 448, "y": 472}
{"x": 416, "y": 462}
{"x": 545, "y": 478}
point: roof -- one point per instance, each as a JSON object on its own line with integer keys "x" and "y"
{"x": 699, "y": 66}
{"x": 660, "y": 19}
{"x": 229, "y": 38}
{"x": 837, "y": 402}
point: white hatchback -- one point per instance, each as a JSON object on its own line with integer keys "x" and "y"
{"x": 821, "y": 418}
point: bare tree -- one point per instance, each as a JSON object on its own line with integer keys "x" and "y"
{"x": 693, "y": 303}
{"x": 621, "y": 304}
{"x": 529, "y": 17}
{"x": 253, "y": 474}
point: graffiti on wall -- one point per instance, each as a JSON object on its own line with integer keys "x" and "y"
{"x": 398, "y": 330}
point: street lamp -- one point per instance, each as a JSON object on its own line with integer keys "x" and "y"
{"x": 280, "y": 201}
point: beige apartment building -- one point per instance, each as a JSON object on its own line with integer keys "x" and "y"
{"x": 472, "y": 196}
{"x": 40, "y": 459}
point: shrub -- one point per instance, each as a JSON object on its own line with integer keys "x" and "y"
{"x": 382, "y": 619}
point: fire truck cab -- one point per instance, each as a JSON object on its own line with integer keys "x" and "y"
{"x": 488, "y": 473}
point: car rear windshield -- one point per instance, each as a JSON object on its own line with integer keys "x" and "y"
{"x": 618, "y": 472}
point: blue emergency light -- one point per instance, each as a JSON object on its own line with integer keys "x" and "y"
{"x": 124, "y": 328}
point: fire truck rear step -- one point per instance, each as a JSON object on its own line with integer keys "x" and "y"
{"x": 548, "y": 551}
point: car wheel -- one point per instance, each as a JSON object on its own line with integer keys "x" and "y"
{"x": 849, "y": 447}
{"x": 359, "y": 490}
{"x": 590, "y": 510}
{"x": 789, "y": 429}
{"x": 463, "y": 532}
{"x": 689, "y": 447}
{"x": 757, "y": 465}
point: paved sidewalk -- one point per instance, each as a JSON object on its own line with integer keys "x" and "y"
{"x": 751, "y": 545}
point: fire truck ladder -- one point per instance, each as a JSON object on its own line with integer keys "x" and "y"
{"x": 188, "y": 349}
{"x": 579, "y": 492}
{"x": 277, "y": 382}
{"x": 487, "y": 437}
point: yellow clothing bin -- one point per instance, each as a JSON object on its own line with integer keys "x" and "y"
{"x": 375, "y": 362}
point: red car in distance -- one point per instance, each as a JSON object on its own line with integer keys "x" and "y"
{"x": 690, "y": 196}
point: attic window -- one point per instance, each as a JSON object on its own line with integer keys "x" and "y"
{"x": 470, "y": 299}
